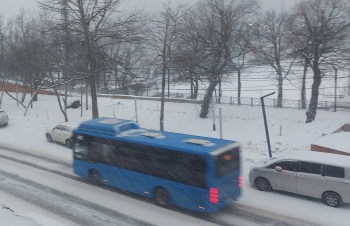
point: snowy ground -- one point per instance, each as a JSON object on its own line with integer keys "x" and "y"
{"x": 245, "y": 124}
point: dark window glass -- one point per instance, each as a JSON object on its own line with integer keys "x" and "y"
{"x": 58, "y": 127}
{"x": 312, "y": 168}
{"x": 227, "y": 162}
{"x": 168, "y": 164}
{"x": 334, "y": 171}
{"x": 80, "y": 150}
{"x": 285, "y": 165}
{"x": 180, "y": 167}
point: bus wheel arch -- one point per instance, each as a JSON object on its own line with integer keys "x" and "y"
{"x": 161, "y": 197}
{"x": 94, "y": 176}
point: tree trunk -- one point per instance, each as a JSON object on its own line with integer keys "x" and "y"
{"x": 192, "y": 88}
{"x": 207, "y": 99}
{"x": 94, "y": 106}
{"x": 87, "y": 95}
{"x": 303, "y": 88}
{"x": 280, "y": 91}
{"x": 239, "y": 87}
{"x": 311, "y": 113}
{"x": 63, "y": 110}
{"x": 220, "y": 92}
{"x": 161, "y": 118}
{"x": 195, "y": 95}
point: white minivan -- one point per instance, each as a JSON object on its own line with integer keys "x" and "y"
{"x": 316, "y": 174}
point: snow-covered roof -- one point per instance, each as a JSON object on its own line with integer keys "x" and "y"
{"x": 318, "y": 157}
{"x": 337, "y": 141}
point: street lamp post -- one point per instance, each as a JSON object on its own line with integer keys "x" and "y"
{"x": 266, "y": 129}
{"x": 335, "y": 89}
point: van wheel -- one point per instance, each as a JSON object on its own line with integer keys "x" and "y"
{"x": 161, "y": 197}
{"x": 94, "y": 177}
{"x": 263, "y": 184}
{"x": 332, "y": 199}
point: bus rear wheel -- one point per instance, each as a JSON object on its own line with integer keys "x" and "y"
{"x": 94, "y": 177}
{"x": 161, "y": 197}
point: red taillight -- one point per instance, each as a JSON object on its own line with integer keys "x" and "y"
{"x": 214, "y": 195}
{"x": 240, "y": 181}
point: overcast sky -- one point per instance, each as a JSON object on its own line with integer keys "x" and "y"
{"x": 12, "y": 7}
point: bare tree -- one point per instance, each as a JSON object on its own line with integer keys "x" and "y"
{"x": 220, "y": 21}
{"x": 28, "y": 46}
{"x": 320, "y": 32}
{"x": 238, "y": 64}
{"x": 271, "y": 46}
{"x": 161, "y": 37}
{"x": 187, "y": 55}
{"x": 124, "y": 60}
{"x": 97, "y": 24}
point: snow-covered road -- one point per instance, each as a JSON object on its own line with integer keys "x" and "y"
{"x": 50, "y": 184}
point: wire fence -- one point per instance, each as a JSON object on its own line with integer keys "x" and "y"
{"x": 251, "y": 101}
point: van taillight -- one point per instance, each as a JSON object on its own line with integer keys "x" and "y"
{"x": 214, "y": 195}
{"x": 240, "y": 181}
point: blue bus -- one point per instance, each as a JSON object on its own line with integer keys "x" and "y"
{"x": 191, "y": 172}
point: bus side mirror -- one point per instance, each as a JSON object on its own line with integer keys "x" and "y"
{"x": 278, "y": 168}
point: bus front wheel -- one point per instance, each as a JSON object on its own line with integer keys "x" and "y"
{"x": 161, "y": 197}
{"x": 94, "y": 177}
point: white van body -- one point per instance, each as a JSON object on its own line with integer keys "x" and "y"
{"x": 316, "y": 174}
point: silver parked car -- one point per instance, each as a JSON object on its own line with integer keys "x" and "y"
{"x": 61, "y": 134}
{"x": 315, "y": 174}
{"x": 4, "y": 118}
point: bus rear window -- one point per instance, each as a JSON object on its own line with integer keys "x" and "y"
{"x": 227, "y": 162}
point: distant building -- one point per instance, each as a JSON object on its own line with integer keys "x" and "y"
{"x": 338, "y": 142}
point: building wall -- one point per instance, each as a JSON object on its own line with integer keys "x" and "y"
{"x": 327, "y": 150}
{"x": 10, "y": 87}
{"x": 344, "y": 128}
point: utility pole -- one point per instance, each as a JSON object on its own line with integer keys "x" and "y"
{"x": 349, "y": 84}
{"x": 335, "y": 89}
{"x": 66, "y": 54}
{"x": 265, "y": 121}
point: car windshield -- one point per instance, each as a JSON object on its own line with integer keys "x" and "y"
{"x": 269, "y": 160}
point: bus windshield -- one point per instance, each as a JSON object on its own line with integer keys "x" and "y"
{"x": 227, "y": 162}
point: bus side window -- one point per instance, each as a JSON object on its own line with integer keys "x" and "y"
{"x": 107, "y": 153}
{"x": 94, "y": 154}
{"x": 198, "y": 165}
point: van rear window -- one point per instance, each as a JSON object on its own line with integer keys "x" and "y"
{"x": 334, "y": 171}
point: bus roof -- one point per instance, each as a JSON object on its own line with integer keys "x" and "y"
{"x": 129, "y": 131}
